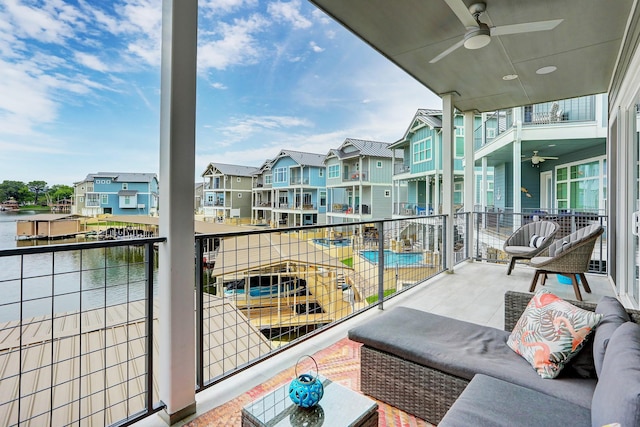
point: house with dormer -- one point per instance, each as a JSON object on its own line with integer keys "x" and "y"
{"x": 299, "y": 192}
{"x": 227, "y": 191}
{"x": 116, "y": 193}
{"x": 417, "y": 181}
{"x": 359, "y": 174}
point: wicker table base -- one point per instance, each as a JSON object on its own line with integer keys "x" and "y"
{"x": 339, "y": 407}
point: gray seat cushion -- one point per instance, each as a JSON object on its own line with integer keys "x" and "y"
{"x": 617, "y": 396}
{"x": 462, "y": 349}
{"x": 488, "y": 401}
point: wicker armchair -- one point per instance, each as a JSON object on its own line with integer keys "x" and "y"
{"x": 519, "y": 245}
{"x": 568, "y": 256}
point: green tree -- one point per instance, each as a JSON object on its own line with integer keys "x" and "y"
{"x": 59, "y": 192}
{"x": 37, "y": 188}
{"x": 15, "y": 189}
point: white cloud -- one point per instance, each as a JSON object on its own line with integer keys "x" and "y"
{"x": 321, "y": 17}
{"x": 53, "y": 22}
{"x": 289, "y": 12}
{"x": 218, "y": 85}
{"x": 315, "y": 47}
{"x": 91, "y": 61}
{"x": 246, "y": 128}
{"x": 237, "y": 45}
{"x": 225, "y": 6}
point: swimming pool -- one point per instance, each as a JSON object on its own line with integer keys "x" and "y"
{"x": 332, "y": 242}
{"x": 391, "y": 259}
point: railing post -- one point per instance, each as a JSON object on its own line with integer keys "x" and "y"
{"x": 467, "y": 233}
{"x": 444, "y": 244}
{"x": 477, "y": 242}
{"x": 380, "y": 227}
{"x": 199, "y": 314}
{"x": 148, "y": 298}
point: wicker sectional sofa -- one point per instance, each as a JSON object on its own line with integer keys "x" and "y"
{"x": 421, "y": 363}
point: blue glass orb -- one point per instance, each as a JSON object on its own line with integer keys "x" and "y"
{"x": 306, "y": 391}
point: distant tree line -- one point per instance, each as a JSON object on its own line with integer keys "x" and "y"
{"x": 34, "y": 192}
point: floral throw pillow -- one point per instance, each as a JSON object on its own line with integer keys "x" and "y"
{"x": 550, "y": 332}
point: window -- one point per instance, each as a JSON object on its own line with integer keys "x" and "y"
{"x": 491, "y": 133}
{"x": 105, "y": 199}
{"x": 238, "y": 179}
{"x": 387, "y": 193}
{"x": 127, "y": 200}
{"x": 280, "y": 175}
{"x": 239, "y": 195}
{"x": 581, "y": 186}
{"x": 267, "y": 179}
{"x": 321, "y": 172}
{"x": 422, "y": 150}
{"x": 306, "y": 199}
{"x": 334, "y": 171}
{"x": 93, "y": 200}
{"x": 80, "y": 199}
{"x": 323, "y": 198}
{"x": 379, "y": 164}
{"x": 125, "y": 185}
{"x": 457, "y": 193}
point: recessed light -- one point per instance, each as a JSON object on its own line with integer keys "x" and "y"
{"x": 552, "y": 145}
{"x": 510, "y": 77}
{"x": 546, "y": 70}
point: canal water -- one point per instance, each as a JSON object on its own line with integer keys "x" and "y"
{"x": 65, "y": 281}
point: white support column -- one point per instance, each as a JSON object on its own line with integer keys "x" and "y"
{"x": 176, "y": 269}
{"x": 517, "y": 174}
{"x": 447, "y": 175}
{"x": 469, "y": 176}
{"x": 484, "y": 188}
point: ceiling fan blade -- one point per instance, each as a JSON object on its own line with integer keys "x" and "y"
{"x": 526, "y": 159}
{"x": 527, "y": 27}
{"x": 549, "y": 158}
{"x": 462, "y": 12}
{"x": 447, "y": 52}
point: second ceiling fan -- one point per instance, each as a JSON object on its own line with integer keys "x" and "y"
{"x": 479, "y": 34}
{"x": 536, "y": 159}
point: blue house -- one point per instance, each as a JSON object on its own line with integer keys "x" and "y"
{"x": 417, "y": 182}
{"x": 117, "y": 193}
{"x": 299, "y": 190}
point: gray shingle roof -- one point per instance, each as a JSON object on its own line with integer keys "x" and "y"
{"x": 363, "y": 148}
{"x": 304, "y": 159}
{"x": 233, "y": 170}
{"x": 123, "y": 176}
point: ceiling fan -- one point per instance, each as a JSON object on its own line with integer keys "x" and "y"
{"x": 479, "y": 34}
{"x": 535, "y": 159}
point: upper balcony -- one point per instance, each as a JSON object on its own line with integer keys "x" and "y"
{"x": 557, "y": 113}
{"x": 271, "y": 288}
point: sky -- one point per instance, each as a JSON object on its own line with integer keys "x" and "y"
{"x": 80, "y": 86}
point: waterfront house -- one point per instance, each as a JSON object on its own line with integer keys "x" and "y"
{"x": 358, "y": 178}
{"x": 417, "y": 181}
{"x": 262, "y": 194}
{"x": 116, "y": 193}
{"x": 549, "y": 156}
{"x": 227, "y": 192}
{"x": 299, "y": 189}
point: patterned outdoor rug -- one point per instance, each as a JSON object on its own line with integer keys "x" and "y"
{"x": 339, "y": 362}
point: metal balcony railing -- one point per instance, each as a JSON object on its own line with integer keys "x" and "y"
{"x": 76, "y": 322}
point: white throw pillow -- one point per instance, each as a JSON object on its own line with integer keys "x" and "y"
{"x": 536, "y": 241}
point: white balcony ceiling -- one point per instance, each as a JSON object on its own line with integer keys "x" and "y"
{"x": 584, "y": 47}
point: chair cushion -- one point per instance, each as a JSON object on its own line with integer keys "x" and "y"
{"x": 550, "y": 332}
{"x": 488, "y": 401}
{"x": 613, "y": 315}
{"x": 616, "y": 398}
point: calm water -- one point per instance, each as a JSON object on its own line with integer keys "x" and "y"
{"x": 66, "y": 281}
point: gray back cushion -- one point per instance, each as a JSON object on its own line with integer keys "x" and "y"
{"x": 614, "y": 315}
{"x": 616, "y": 398}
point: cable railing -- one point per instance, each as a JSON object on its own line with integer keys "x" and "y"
{"x": 273, "y": 288}
{"x": 77, "y": 320}
{"x": 493, "y": 228}
{"x": 76, "y": 333}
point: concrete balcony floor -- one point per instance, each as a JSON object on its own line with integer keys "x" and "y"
{"x": 474, "y": 292}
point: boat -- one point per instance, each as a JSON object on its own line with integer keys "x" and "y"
{"x": 267, "y": 286}
{"x": 10, "y": 205}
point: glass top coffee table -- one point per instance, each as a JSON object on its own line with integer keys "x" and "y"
{"x": 339, "y": 406}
